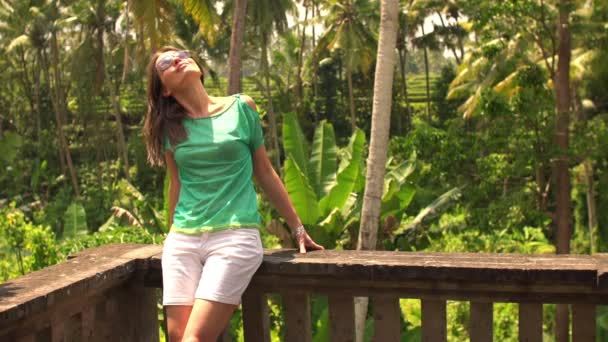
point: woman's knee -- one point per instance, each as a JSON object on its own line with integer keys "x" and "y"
{"x": 175, "y": 336}
{"x": 177, "y": 319}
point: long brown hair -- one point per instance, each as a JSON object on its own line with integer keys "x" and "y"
{"x": 164, "y": 116}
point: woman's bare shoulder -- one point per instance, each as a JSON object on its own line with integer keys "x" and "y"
{"x": 249, "y": 101}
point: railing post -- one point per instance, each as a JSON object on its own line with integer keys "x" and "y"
{"x": 387, "y": 319}
{"x": 530, "y": 322}
{"x": 135, "y": 316}
{"x": 434, "y": 327}
{"x": 482, "y": 322}
{"x": 297, "y": 317}
{"x": 583, "y": 322}
{"x": 256, "y": 323}
{"x": 341, "y": 318}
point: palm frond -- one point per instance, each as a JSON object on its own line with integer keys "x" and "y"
{"x": 21, "y": 41}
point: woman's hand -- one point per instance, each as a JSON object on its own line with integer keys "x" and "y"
{"x": 304, "y": 240}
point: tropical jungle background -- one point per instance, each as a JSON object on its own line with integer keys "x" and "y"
{"x": 498, "y": 127}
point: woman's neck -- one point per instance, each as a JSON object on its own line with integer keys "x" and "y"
{"x": 194, "y": 99}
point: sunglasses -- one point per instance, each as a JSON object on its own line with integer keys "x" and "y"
{"x": 165, "y": 62}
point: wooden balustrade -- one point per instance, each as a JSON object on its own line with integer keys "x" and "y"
{"x": 109, "y": 293}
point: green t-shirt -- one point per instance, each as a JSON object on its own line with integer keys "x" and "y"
{"x": 215, "y": 171}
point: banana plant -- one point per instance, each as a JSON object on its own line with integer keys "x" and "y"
{"x": 75, "y": 221}
{"x": 327, "y": 194}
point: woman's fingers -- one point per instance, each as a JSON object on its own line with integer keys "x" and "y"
{"x": 305, "y": 241}
{"x": 309, "y": 243}
{"x": 315, "y": 245}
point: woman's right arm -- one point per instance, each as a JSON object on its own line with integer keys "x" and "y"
{"x": 174, "y": 184}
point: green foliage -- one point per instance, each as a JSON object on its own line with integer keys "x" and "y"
{"x": 530, "y": 240}
{"x": 24, "y": 246}
{"x": 9, "y": 147}
{"x": 301, "y": 193}
{"x": 317, "y": 187}
{"x": 323, "y": 161}
{"x": 120, "y": 234}
{"x": 75, "y": 221}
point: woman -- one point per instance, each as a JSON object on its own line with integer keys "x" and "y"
{"x": 212, "y": 147}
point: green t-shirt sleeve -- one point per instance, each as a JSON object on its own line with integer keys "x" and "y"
{"x": 256, "y": 135}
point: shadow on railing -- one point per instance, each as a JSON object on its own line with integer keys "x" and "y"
{"x": 109, "y": 293}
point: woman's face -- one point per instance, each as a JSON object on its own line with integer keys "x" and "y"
{"x": 176, "y": 69}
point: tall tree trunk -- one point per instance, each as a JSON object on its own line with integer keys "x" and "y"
{"x": 125, "y": 59}
{"x": 341, "y": 81}
{"x": 428, "y": 85}
{"x": 402, "y": 63}
{"x": 120, "y": 135}
{"x": 374, "y": 179}
{"x": 47, "y": 76}
{"x": 274, "y": 139}
{"x": 299, "y": 90}
{"x": 27, "y": 86}
{"x": 236, "y": 44}
{"x": 351, "y": 100}
{"x": 60, "y": 114}
{"x": 541, "y": 176}
{"x": 122, "y": 145}
{"x": 588, "y": 173}
{"x": 563, "y": 213}
{"x": 100, "y": 69}
{"x": 38, "y": 111}
{"x": 591, "y": 205}
{"x": 315, "y": 12}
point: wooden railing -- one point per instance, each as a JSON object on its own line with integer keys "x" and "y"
{"x": 109, "y": 293}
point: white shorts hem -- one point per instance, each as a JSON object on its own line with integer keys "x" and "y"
{"x": 221, "y": 299}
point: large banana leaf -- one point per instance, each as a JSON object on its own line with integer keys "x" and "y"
{"x": 323, "y": 162}
{"x": 394, "y": 179}
{"x": 396, "y": 204}
{"x": 438, "y": 206}
{"x": 347, "y": 178}
{"x": 295, "y": 143}
{"x": 75, "y": 221}
{"x": 301, "y": 193}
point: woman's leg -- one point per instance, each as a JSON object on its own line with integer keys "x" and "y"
{"x": 182, "y": 269}
{"x": 207, "y": 320}
{"x": 232, "y": 258}
{"x": 177, "y": 319}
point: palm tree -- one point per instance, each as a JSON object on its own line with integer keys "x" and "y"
{"x": 24, "y": 38}
{"x": 451, "y": 35}
{"x": 425, "y": 42}
{"x": 37, "y": 21}
{"x": 350, "y": 32}
{"x": 562, "y": 169}
{"x": 374, "y": 179}
{"x": 236, "y": 45}
{"x": 153, "y": 25}
{"x": 59, "y": 103}
{"x": 402, "y": 35}
{"x": 299, "y": 83}
{"x": 267, "y": 16}
{"x": 554, "y": 52}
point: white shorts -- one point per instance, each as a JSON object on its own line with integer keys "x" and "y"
{"x": 213, "y": 266}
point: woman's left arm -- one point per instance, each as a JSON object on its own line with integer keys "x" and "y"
{"x": 274, "y": 189}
